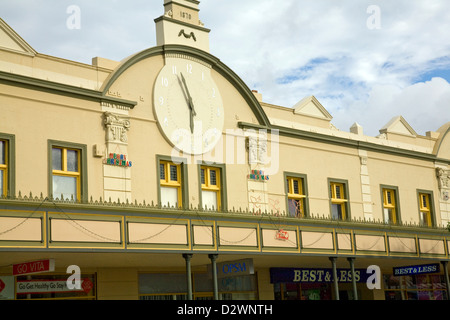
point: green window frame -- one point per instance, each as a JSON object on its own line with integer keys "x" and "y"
{"x": 211, "y": 179}
{"x": 172, "y": 174}
{"x": 339, "y": 199}
{"x": 74, "y": 173}
{"x": 296, "y": 189}
{"x": 7, "y": 165}
{"x": 425, "y": 199}
{"x": 390, "y": 204}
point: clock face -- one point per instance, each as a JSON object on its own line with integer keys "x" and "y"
{"x": 188, "y": 106}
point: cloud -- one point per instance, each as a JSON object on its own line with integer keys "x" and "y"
{"x": 293, "y": 49}
{"x": 284, "y": 49}
{"x": 424, "y": 105}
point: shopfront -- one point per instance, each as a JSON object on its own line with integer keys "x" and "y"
{"x": 317, "y": 283}
{"x": 236, "y": 280}
{"x": 173, "y": 286}
{"x": 419, "y": 282}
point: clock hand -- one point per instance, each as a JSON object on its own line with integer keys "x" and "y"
{"x": 190, "y": 104}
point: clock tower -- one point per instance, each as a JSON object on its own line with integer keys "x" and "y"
{"x": 181, "y": 25}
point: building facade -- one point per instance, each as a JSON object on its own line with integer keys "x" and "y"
{"x": 164, "y": 176}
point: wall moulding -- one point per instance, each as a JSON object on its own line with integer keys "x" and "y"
{"x": 117, "y": 127}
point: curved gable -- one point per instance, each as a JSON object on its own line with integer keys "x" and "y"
{"x": 442, "y": 146}
{"x": 215, "y": 63}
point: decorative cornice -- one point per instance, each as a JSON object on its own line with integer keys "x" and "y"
{"x": 181, "y": 23}
{"x": 319, "y": 137}
{"x": 61, "y": 89}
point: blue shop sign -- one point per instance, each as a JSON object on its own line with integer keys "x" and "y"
{"x": 234, "y": 268}
{"x": 421, "y": 269}
{"x": 315, "y": 275}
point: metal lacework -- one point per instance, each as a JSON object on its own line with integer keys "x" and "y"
{"x": 127, "y": 204}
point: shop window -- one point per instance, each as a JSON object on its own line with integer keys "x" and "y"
{"x": 162, "y": 286}
{"x": 339, "y": 200}
{"x": 302, "y": 291}
{"x": 390, "y": 206}
{"x": 211, "y": 188}
{"x": 172, "y": 286}
{"x": 170, "y": 184}
{"x": 296, "y": 196}
{"x": 425, "y": 210}
{"x": 415, "y": 287}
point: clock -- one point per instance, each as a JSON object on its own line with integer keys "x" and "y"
{"x": 188, "y": 106}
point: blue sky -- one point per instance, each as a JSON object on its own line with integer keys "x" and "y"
{"x": 363, "y": 65}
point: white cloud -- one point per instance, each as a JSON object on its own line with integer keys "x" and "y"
{"x": 360, "y": 74}
{"x": 285, "y": 49}
{"x": 424, "y": 105}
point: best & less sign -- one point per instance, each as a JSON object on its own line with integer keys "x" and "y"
{"x": 313, "y": 275}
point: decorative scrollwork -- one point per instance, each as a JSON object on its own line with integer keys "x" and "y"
{"x": 187, "y": 36}
{"x": 117, "y": 127}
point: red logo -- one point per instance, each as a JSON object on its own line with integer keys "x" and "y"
{"x": 2, "y": 285}
{"x": 282, "y": 235}
{"x": 87, "y": 285}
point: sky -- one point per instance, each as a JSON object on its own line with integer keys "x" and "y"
{"x": 366, "y": 61}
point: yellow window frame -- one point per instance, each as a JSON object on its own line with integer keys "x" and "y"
{"x": 168, "y": 182}
{"x": 4, "y": 168}
{"x": 390, "y": 203}
{"x": 66, "y": 173}
{"x": 207, "y": 186}
{"x": 300, "y": 196}
{"x": 425, "y": 207}
{"x": 339, "y": 198}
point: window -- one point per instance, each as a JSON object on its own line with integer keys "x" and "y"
{"x": 172, "y": 286}
{"x": 67, "y": 171}
{"x": 170, "y": 184}
{"x": 210, "y": 178}
{"x": 3, "y": 168}
{"x": 7, "y": 165}
{"x": 296, "y": 196}
{"x": 425, "y": 210}
{"x": 339, "y": 201}
{"x": 415, "y": 287}
{"x": 390, "y": 206}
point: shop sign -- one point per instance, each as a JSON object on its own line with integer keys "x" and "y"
{"x": 315, "y": 275}
{"x": 420, "y": 269}
{"x": 39, "y": 266}
{"x": 234, "y": 268}
{"x": 50, "y": 286}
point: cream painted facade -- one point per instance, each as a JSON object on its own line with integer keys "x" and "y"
{"x": 116, "y": 228}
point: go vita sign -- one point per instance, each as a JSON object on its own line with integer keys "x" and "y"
{"x": 39, "y": 266}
